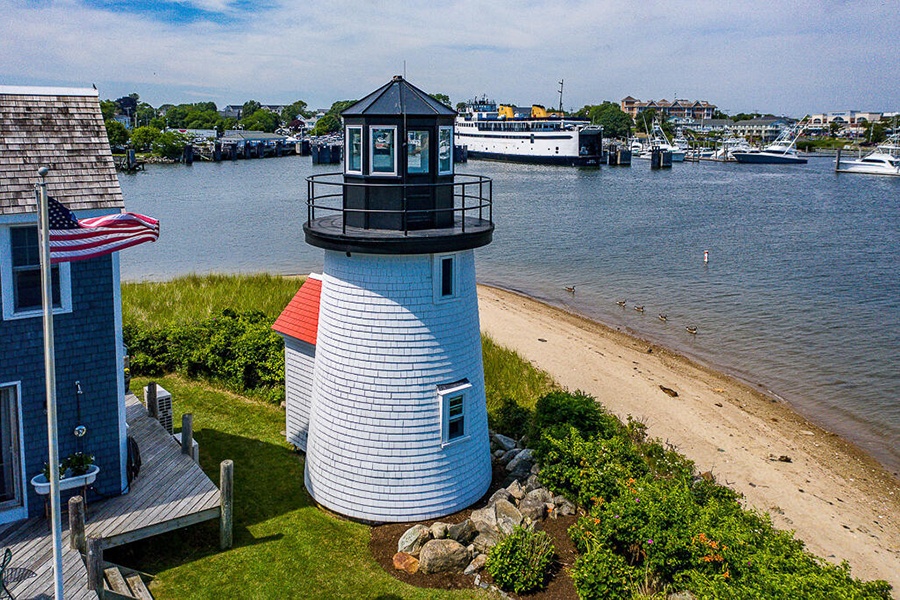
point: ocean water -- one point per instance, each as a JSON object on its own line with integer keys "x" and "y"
{"x": 800, "y": 296}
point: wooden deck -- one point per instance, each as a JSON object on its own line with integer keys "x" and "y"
{"x": 171, "y": 492}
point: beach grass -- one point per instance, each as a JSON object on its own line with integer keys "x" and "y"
{"x": 284, "y": 546}
{"x": 508, "y": 375}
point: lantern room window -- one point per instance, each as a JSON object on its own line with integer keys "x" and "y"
{"x": 383, "y": 149}
{"x": 354, "y": 150}
{"x": 417, "y": 155}
{"x": 445, "y": 150}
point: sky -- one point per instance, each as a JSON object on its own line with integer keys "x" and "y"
{"x": 785, "y": 58}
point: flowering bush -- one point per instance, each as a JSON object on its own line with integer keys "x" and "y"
{"x": 521, "y": 561}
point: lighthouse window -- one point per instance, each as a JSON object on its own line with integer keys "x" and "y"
{"x": 354, "y": 150}
{"x": 445, "y": 150}
{"x": 453, "y": 409}
{"x": 382, "y": 142}
{"x": 417, "y": 151}
{"x": 447, "y": 276}
{"x": 444, "y": 277}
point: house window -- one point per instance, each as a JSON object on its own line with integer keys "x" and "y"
{"x": 383, "y": 150}
{"x": 354, "y": 150}
{"x": 445, "y": 277}
{"x": 20, "y": 275}
{"x": 445, "y": 150}
{"x": 10, "y": 452}
{"x": 453, "y": 410}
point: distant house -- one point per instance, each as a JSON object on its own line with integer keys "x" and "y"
{"x": 61, "y": 128}
{"x": 686, "y": 109}
{"x": 232, "y": 111}
{"x": 764, "y": 129}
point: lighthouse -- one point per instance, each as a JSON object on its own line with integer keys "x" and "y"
{"x": 393, "y": 414}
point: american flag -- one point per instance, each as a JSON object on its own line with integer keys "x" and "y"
{"x": 71, "y": 239}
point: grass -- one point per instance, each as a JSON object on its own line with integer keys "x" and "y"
{"x": 508, "y": 375}
{"x": 195, "y": 297}
{"x": 284, "y": 546}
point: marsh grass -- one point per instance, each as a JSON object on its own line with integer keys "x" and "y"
{"x": 195, "y": 297}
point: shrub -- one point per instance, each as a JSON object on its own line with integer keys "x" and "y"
{"x": 560, "y": 408}
{"x": 511, "y": 419}
{"x": 521, "y": 561}
{"x": 600, "y": 574}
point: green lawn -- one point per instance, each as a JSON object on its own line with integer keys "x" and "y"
{"x": 284, "y": 547}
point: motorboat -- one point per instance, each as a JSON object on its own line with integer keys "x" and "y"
{"x": 781, "y": 151}
{"x": 658, "y": 139}
{"x": 884, "y": 160}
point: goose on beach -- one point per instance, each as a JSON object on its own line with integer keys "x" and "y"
{"x": 691, "y": 329}
{"x": 639, "y": 308}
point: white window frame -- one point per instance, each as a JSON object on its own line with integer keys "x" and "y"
{"x": 8, "y": 285}
{"x": 348, "y": 146}
{"x": 372, "y": 170}
{"x": 437, "y": 276}
{"x": 441, "y": 129}
{"x": 446, "y": 393}
{"x": 10, "y": 511}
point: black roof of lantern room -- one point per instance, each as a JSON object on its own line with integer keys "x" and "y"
{"x": 398, "y": 97}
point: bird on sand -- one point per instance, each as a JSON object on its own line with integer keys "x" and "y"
{"x": 691, "y": 329}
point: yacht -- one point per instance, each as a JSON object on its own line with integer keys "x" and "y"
{"x": 884, "y": 160}
{"x": 659, "y": 139}
{"x": 781, "y": 151}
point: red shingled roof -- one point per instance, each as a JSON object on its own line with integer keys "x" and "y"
{"x": 300, "y": 318}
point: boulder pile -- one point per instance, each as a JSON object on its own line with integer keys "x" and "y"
{"x": 464, "y": 546}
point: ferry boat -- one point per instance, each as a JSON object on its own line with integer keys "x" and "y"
{"x": 884, "y": 160}
{"x": 534, "y": 135}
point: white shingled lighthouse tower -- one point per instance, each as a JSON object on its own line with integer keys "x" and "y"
{"x": 397, "y": 423}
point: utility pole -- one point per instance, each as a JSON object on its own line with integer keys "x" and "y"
{"x": 560, "y": 95}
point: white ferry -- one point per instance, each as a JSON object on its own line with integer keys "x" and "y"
{"x": 538, "y": 136}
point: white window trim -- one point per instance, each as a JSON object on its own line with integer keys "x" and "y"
{"x": 372, "y": 172}
{"x": 348, "y": 146}
{"x": 17, "y": 513}
{"x": 7, "y": 285}
{"x": 440, "y": 129}
{"x": 445, "y": 393}
{"x": 437, "y": 277}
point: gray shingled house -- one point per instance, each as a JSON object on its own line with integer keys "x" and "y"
{"x": 62, "y": 129}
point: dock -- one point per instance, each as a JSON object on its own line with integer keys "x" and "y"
{"x": 171, "y": 492}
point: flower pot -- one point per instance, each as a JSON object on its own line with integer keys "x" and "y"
{"x": 67, "y": 482}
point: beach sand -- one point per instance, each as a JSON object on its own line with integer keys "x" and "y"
{"x": 837, "y": 499}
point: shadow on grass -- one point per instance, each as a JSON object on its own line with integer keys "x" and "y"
{"x": 268, "y": 483}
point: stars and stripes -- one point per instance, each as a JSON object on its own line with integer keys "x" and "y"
{"x": 73, "y": 239}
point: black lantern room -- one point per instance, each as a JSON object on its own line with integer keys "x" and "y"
{"x": 398, "y": 177}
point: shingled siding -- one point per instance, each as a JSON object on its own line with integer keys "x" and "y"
{"x": 85, "y": 348}
{"x": 299, "y": 357}
{"x": 375, "y": 448}
{"x": 63, "y": 131}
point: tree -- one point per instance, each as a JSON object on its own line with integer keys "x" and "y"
{"x": 169, "y": 144}
{"x": 116, "y": 133}
{"x": 327, "y": 124}
{"x": 108, "y": 108}
{"x": 718, "y": 114}
{"x": 261, "y": 120}
{"x": 615, "y": 122}
{"x": 142, "y": 138}
{"x": 290, "y": 112}
{"x": 460, "y": 107}
{"x": 250, "y": 107}
{"x": 442, "y": 98}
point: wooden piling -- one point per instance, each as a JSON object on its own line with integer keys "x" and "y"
{"x": 187, "y": 434}
{"x": 837, "y": 161}
{"x": 76, "y": 524}
{"x": 95, "y": 564}
{"x": 226, "y": 493}
{"x": 152, "y": 404}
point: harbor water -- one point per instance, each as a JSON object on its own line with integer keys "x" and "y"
{"x": 800, "y": 296}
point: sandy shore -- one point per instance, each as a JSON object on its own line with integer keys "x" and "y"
{"x": 838, "y": 500}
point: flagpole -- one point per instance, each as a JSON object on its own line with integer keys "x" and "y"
{"x": 50, "y": 377}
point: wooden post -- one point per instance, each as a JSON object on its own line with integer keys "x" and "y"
{"x": 152, "y": 405}
{"x": 226, "y": 492}
{"x": 187, "y": 434}
{"x": 76, "y": 523}
{"x": 837, "y": 161}
{"x": 95, "y": 564}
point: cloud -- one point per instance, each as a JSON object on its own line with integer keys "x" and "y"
{"x": 804, "y": 57}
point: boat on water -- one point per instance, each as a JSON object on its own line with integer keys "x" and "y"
{"x": 781, "y": 151}
{"x": 726, "y": 148}
{"x": 659, "y": 139}
{"x": 535, "y": 135}
{"x": 884, "y": 160}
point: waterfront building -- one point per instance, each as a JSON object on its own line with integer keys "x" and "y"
{"x": 384, "y": 375}
{"x": 850, "y": 122}
{"x": 697, "y": 109}
{"x": 762, "y": 129}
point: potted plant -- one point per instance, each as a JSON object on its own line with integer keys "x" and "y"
{"x": 78, "y": 469}
{"x": 78, "y": 463}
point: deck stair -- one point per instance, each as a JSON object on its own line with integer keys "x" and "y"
{"x": 122, "y": 583}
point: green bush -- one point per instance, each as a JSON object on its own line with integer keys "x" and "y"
{"x": 521, "y": 561}
{"x": 510, "y": 419}
{"x": 600, "y": 574}
{"x": 561, "y": 408}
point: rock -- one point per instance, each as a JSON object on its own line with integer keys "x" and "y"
{"x": 685, "y": 595}
{"x": 440, "y": 556}
{"x": 533, "y": 506}
{"x": 516, "y": 490}
{"x": 412, "y": 541}
{"x": 503, "y": 442}
{"x": 509, "y": 455}
{"x": 476, "y": 565}
{"x": 532, "y": 483}
{"x": 542, "y": 493}
{"x": 669, "y": 391}
{"x": 463, "y": 532}
{"x": 500, "y": 494}
{"x": 563, "y": 506}
{"x": 484, "y": 519}
{"x": 498, "y": 454}
{"x": 439, "y": 530}
{"x": 406, "y": 562}
{"x": 486, "y": 540}
{"x": 508, "y": 516}
{"x": 535, "y": 469}
{"x": 520, "y": 459}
